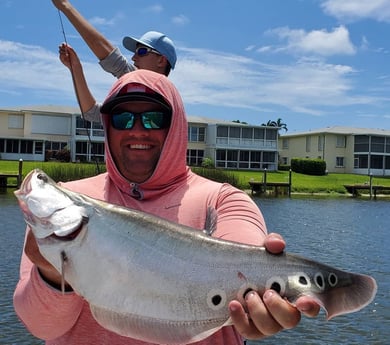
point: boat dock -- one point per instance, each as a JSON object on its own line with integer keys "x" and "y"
{"x": 262, "y": 187}
{"x": 18, "y": 176}
{"x": 373, "y": 190}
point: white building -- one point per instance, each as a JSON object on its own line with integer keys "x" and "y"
{"x": 344, "y": 149}
{"x": 36, "y": 132}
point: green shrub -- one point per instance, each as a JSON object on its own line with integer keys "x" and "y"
{"x": 207, "y": 163}
{"x": 308, "y": 166}
{"x": 218, "y": 175}
{"x": 284, "y": 167}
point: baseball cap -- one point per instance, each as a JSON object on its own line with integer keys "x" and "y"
{"x": 133, "y": 92}
{"x": 155, "y": 40}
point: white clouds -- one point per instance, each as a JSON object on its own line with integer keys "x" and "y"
{"x": 219, "y": 79}
{"x": 204, "y": 77}
{"x": 100, "y": 21}
{"x": 154, "y": 9}
{"x": 316, "y": 42}
{"x": 358, "y": 9}
{"x": 180, "y": 20}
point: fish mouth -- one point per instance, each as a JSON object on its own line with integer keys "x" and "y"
{"x": 25, "y": 187}
{"x": 70, "y": 236}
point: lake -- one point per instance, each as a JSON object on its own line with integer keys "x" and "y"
{"x": 352, "y": 234}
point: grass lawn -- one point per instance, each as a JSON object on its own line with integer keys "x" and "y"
{"x": 331, "y": 183}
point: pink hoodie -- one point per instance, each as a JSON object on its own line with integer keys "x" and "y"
{"x": 173, "y": 192}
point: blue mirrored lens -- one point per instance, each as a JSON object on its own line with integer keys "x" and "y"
{"x": 149, "y": 120}
{"x": 141, "y": 51}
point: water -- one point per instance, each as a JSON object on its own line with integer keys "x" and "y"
{"x": 352, "y": 234}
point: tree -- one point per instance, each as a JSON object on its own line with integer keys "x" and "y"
{"x": 277, "y": 123}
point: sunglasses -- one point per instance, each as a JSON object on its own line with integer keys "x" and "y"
{"x": 149, "y": 119}
{"x": 143, "y": 51}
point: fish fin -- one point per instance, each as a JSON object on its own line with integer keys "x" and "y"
{"x": 349, "y": 298}
{"x": 210, "y": 223}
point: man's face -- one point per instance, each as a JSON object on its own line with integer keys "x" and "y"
{"x": 136, "y": 151}
{"x": 151, "y": 61}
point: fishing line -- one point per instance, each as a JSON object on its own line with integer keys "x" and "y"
{"x": 87, "y": 129}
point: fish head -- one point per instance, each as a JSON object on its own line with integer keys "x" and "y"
{"x": 47, "y": 208}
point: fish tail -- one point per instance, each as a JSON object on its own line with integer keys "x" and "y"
{"x": 348, "y": 298}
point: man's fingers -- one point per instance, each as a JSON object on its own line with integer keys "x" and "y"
{"x": 242, "y": 322}
{"x": 307, "y": 306}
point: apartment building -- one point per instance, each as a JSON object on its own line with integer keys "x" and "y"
{"x": 344, "y": 149}
{"x": 36, "y": 132}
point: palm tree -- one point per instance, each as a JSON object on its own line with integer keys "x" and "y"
{"x": 277, "y": 123}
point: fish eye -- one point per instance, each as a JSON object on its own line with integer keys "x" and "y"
{"x": 42, "y": 176}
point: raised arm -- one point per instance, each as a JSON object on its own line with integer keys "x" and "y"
{"x": 70, "y": 59}
{"x": 99, "y": 44}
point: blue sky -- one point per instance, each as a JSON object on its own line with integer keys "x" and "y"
{"x": 312, "y": 63}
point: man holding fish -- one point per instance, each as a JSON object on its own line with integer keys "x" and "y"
{"x": 146, "y": 140}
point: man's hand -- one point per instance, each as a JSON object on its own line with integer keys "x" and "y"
{"x": 47, "y": 271}
{"x": 270, "y": 313}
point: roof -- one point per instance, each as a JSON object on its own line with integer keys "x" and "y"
{"x": 46, "y": 108}
{"x": 76, "y": 110}
{"x": 340, "y": 130}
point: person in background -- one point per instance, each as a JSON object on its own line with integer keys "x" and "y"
{"x": 145, "y": 143}
{"x": 153, "y": 51}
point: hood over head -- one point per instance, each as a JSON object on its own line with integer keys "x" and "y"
{"x": 171, "y": 167}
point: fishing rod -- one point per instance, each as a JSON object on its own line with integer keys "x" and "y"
{"x": 94, "y": 156}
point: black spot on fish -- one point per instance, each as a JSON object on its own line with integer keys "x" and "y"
{"x": 332, "y": 279}
{"x": 319, "y": 281}
{"x": 216, "y": 300}
{"x": 246, "y": 292}
{"x": 303, "y": 280}
{"x": 276, "y": 287}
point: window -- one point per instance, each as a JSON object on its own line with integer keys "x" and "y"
{"x": 12, "y": 146}
{"x": 196, "y": 134}
{"x": 38, "y": 147}
{"x": 97, "y": 129}
{"x": 15, "y": 121}
{"x": 272, "y": 134}
{"x": 195, "y": 157}
{"x": 339, "y": 162}
{"x": 26, "y": 146}
{"x": 362, "y": 143}
{"x": 387, "y": 162}
{"x": 269, "y": 157}
{"x": 2, "y": 145}
{"x": 244, "y": 160}
{"x": 82, "y": 126}
{"x": 247, "y": 133}
{"x": 234, "y": 132}
{"x": 222, "y": 131}
{"x": 285, "y": 144}
{"x": 259, "y": 133}
{"x": 377, "y": 144}
{"x": 308, "y": 143}
{"x": 376, "y": 162}
{"x": 361, "y": 162}
{"x": 341, "y": 141}
{"x": 320, "y": 143}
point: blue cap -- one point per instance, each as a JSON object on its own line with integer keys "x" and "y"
{"x": 155, "y": 40}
